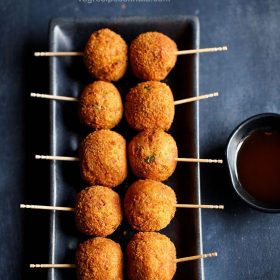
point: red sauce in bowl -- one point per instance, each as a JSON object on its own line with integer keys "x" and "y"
{"x": 258, "y": 165}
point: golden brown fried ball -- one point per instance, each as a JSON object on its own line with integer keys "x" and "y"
{"x": 103, "y": 158}
{"x": 151, "y": 256}
{"x": 99, "y": 259}
{"x": 150, "y": 105}
{"x": 100, "y": 105}
{"x": 149, "y": 205}
{"x": 106, "y": 55}
{"x": 98, "y": 211}
{"x": 152, "y": 56}
{"x": 152, "y": 155}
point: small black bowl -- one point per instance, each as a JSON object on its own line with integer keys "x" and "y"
{"x": 266, "y": 121}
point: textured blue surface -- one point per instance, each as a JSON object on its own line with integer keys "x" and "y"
{"x": 247, "y": 77}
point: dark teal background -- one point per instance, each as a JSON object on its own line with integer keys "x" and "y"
{"x": 247, "y": 76}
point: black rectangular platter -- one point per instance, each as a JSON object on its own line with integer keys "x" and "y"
{"x": 68, "y": 76}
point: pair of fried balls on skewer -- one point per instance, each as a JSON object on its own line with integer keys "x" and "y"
{"x": 149, "y": 256}
{"x": 103, "y": 158}
{"x": 148, "y": 105}
{"x": 152, "y": 55}
{"x": 148, "y": 205}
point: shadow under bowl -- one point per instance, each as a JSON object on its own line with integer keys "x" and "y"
{"x": 266, "y": 121}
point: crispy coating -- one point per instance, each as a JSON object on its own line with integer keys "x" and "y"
{"x": 100, "y": 105}
{"x": 98, "y": 211}
{"x": 152, "y": 56}
{"x": 151, "y": 256}
{"x": 103, "y": 158}
{"x": 150, "y": 105}
{"x": 149, "y": 205}
{"x": 99, "y": 259}
{"x": 106, "y": 55}
{"x": 152, "y": 155}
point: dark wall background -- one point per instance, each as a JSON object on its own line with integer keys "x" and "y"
{"x": 247, "y": 78}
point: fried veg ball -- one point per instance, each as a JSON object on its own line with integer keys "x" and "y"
{"x": 103, "y": 158}
{"x": 151, "y": 256}
{"x": 100, "y": 105}
{"x": 152, "y": 56}
{"x": 152, "y": 155}
{"x": 150, "y": 105}
{"x": 149, "y": 205}
{"x": 98, "y": 211}
{"x": 98, "y": 259}
{"x": 106, "y": 55}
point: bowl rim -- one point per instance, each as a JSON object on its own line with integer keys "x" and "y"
{"x": 239, "y": 189}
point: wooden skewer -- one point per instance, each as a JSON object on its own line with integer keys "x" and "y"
{"x": 203, "y": 256}
{"x": 201, "y": 160}
{"x": 63, "y": 158}
{"x": 60, "y": 208}
{"x": 58, "y": 54}
{"x": 53, "y": 97}
{"x": 66, "y": 265}
{"x": 183, "y": 52}
{"x": 44, "y": 207}
{"x": 206, "y": 206}
{"x": 75, "y": 99}
{"x": 197, "y": 98}
{"x": 206, "y": 50}
{"x": 56, "y": 158}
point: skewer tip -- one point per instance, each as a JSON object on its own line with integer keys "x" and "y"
{"x": 214, "y": 254}
{"x": 220, "y": 161}
{"x": 215, "y": 161}
{"x": 221, "y": 49}
{"x": 34, "y": 265}
{"x": 216, "y": 206}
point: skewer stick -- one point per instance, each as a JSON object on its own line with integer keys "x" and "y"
{"x": 58, "y": 54}
{"x": 206, "y": 50}
{"x": 44, "y": 207}
{"x": 60, "y": 208}
{"x": 53, "y": 97}
{"x": 56, "y": 158}
{"x": 203, "y": 256}
{"x": 66, "y": 265}
{"x": 197, "y": 98}
{"x": 206, "y": 206}
{"x": 201, "y": 160}
{"x": 177, "y": 159}
{"x": 75, "y": 99}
